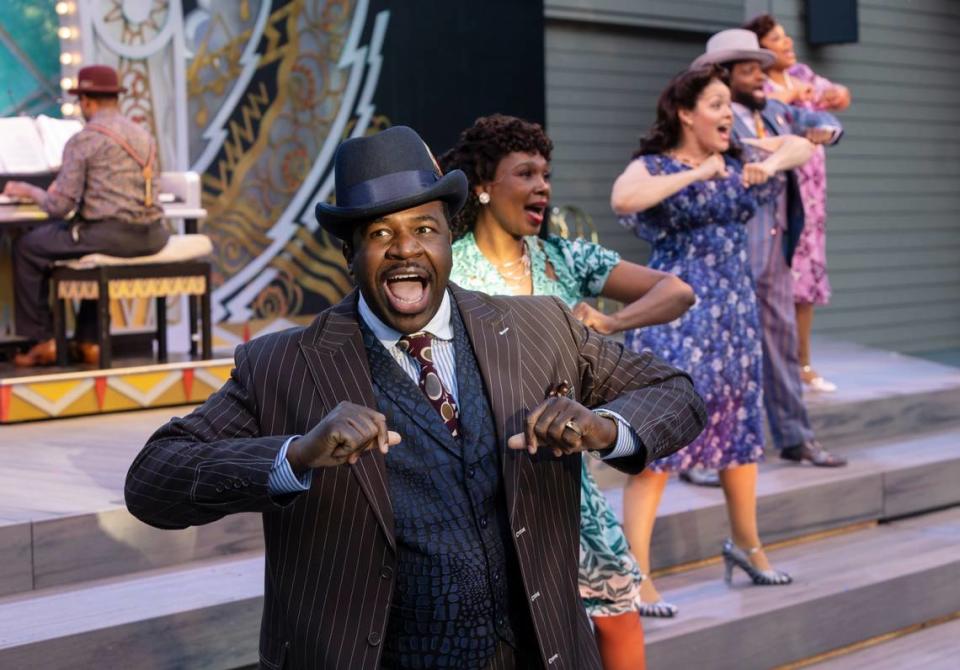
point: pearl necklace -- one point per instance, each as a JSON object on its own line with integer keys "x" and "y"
{"x": 517, "y": 271}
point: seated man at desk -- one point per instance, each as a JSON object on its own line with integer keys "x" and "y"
{"x": 108, "y": 179}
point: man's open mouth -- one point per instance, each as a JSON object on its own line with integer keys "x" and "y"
{"x": 407, "y": 290}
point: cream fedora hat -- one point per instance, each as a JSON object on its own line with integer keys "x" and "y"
{"x": 733, "y": 45}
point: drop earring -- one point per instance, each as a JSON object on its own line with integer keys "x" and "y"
{"x": 484, "y": 198}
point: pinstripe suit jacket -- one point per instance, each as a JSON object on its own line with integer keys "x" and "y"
{"x": 330, "y": 555}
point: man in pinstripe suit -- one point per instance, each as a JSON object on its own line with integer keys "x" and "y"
{"x": 773, "y": 233}
{"x": 417, "y": 471}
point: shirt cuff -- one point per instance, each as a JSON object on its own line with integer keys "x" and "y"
{"x": 282, "y": 480}
{"x": 627, "y": 443}
{"x": 835, "y": 133}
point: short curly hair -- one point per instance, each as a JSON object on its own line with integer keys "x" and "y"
{"x": 479, "y": 151}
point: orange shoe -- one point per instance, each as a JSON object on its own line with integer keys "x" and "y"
{"x": 88, "y": 353}
{"x": 42, "y": 353}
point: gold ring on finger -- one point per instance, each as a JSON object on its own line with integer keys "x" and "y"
{"x": 574, "y": 426}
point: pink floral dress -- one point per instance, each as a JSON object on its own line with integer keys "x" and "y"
{"x": 810, "y": 281}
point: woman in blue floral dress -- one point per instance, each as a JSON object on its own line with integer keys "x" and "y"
{"x": 690, "y": 198}
{"x": 498, "y": 251}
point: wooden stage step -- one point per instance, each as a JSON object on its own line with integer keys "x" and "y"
{"x": 883, "y": 481}
{"x": 933, "y": 648}
{"x": 80, "y": 578}
{"x": 847, "y": 588}
{"x": 206, "y": 614}
{"x": 202, "y": 615}
{"x": 880, "y": 395}
{"x": 62, "y": 518}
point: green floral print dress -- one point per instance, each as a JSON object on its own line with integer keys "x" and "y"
{"x": 609, "y": 575}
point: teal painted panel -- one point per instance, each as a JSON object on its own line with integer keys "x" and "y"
{"x": 29, "y": 58}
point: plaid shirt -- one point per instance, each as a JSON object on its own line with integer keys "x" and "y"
{"x": 99, "y": 179}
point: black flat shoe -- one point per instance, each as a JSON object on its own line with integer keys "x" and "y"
{"x": 813, "y": 453}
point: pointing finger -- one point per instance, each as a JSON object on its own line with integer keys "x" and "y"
{"x": 517, "y": 442}
{"x": 530, "y": 426}
{"x": 380, "y": 421}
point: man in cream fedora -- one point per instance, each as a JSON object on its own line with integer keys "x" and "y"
{"x": 773, "y": 233}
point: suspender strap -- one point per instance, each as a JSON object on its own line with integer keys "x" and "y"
{"x": 146, "y": 166}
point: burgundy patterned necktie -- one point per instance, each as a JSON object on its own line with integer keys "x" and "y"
{"x": 420, "y": 346}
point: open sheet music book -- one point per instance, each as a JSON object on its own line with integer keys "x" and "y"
{"x": 32, "y": 146}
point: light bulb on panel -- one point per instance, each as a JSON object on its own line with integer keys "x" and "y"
{"x": 66, "y": 83}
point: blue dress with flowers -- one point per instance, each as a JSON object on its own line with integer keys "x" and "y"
{"x": 699, "y": 234}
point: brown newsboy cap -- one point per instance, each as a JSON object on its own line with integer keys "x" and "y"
{"x": 97, "y": 79}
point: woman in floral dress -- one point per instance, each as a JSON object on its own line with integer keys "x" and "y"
{"x": 796, "y": 84}
{"x": 690, "y": 199}
{"x": 498, "y": 251}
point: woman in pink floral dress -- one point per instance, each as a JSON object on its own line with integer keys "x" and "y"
{"x": 796, "y": 84}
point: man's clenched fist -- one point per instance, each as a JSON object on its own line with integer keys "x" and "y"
{"x": 341, "y": 437}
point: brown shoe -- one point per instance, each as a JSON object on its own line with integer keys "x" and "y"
{"x": 42, "y": 353}
{"x": 88, "y": 353}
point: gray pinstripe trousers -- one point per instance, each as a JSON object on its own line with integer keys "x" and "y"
{"x": 782, "y": 389}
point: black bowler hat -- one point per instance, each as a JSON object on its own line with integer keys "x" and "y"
{"x": 385, "y": 173}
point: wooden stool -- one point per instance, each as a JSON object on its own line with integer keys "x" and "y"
{"x": 104, "y": 283}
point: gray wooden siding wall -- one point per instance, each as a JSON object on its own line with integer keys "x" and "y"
{"x": 893, "y": 243}
{"x": 694, "y": 15}
{"x": 602, "y": 85}
{"x": 894, "y": 192}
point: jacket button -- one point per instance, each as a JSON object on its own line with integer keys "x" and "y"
{"x": 237, "y": 484}
{"x": 373, "y": 638}
{"x": 219, "y": 488}
{"x": 386, "y": 572}
{"x": 483, "y": 522}
{"x": 471, "y": 471}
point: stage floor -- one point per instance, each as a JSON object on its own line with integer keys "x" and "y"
{"x": 71, "y": 466}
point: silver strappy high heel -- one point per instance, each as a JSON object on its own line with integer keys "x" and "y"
{"x": 735, "y": 556}
{"x": 659, "y": 609}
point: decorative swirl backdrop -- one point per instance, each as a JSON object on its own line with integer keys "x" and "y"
{"x": 256, "y": 95}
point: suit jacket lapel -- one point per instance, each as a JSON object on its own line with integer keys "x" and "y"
{"x": 335, "y": 354}
{"x": 496, "y": 345}
{"x": 774, "y": 121}
{"x": 777, "y": 118}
